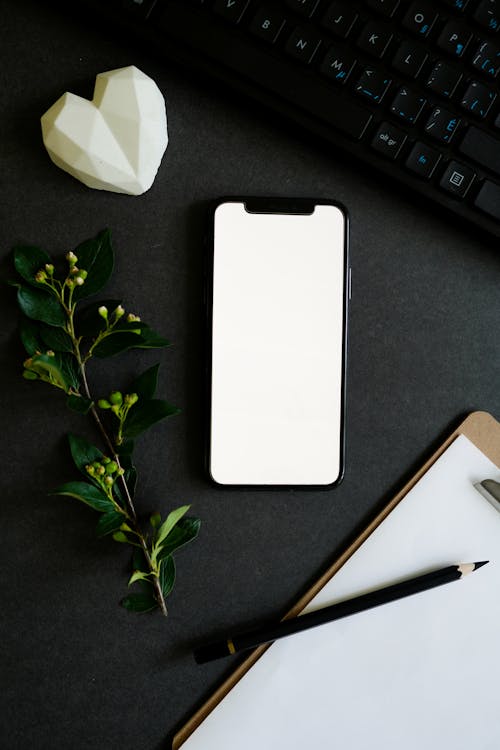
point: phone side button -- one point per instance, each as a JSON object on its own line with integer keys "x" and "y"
{"x": 349, "y": 283}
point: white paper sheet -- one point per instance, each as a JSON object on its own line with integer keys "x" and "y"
{"x": 423, "y": 672}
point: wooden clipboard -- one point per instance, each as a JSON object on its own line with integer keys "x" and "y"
{"x": 480, "y": 428}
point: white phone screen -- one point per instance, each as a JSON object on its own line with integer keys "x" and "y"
{"x": 278, "y": 340}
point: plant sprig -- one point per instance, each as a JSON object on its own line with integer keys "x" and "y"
{"x": 60, "y": 340}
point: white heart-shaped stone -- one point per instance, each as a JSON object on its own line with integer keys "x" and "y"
{"x": 116, "y": 141}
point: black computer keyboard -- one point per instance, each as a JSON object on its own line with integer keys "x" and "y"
{"x": 408, "y": 88}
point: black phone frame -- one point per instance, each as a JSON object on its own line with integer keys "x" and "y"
{"x": 269, "y": 204}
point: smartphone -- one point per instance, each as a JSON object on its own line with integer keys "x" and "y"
{"x": 277, "y": 300}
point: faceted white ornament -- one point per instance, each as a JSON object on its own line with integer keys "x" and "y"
{"x": 116, "y": 141}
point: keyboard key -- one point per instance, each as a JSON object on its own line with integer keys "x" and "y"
{"x": 267, "y": 24}
{"x": 304, "y": 7}
{"x": 303, "y": 44}
{"x": 313, "y": 98}
{"x": 409, "y": 59}
{"x": 459, "y": 5}
{"x": 442, "y": 125}
{"x": 457, "y": 179}
{"x": 478, "y": 99}
{"x": 454, "y": 38}
{"x": 388, "y": 140}
{"x": 482, "y": 148}
{"x": 339, "y": 19}
{"x": 407, "y": 105}
{"x": 443, "y": 79}
{"x": 140, "y": 8}
{"x": 487, "y": 59}
{"x": 338, "y": 64}
{"x": 231, "y": 9}
{"x": 423, "y": 160}
{"x": 375, "y": 39}
{"x": 373, "y": 85}
{"x": 385, "y": 7}
{"x": 420, "y": 18}
{"x": 488, "y": 199}
{"x": 487, "y": 15}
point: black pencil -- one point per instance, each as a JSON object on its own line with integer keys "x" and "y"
{"x": 269, "y": 633}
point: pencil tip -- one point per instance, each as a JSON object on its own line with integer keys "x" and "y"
{"x": 480, "y": 564}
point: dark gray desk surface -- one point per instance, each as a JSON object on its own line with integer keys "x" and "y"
{"x": 77, "y": 670}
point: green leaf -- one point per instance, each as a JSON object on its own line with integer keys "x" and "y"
{"x": 88, "y": 322}
{"x": 51, "y": 367}
{"x": 116, "y": 343}
{"x": 184, "y": 532}
{"x": 126, "y": 336}
{"x": 119, "y": 536}
{"x": 169, "y": 523}
{"x": 70, "y": 369}
{"x": 39, "y": 305}
{"x": 143, "y": 416}
{"x": 139, "y": 561}
{"x": 29, "y": 260}
{"x": 96, "y": 257}
{"x": 145, "y": 384}
{"x": 138, "y": 575}
{"x": 167, "y": 575}
{"x": 152, "y": 340}
{"x": 83, "y": 452}
{"x": 79, "y": 404}
{"x": 155, "y": 520}
{"x": 89, "y": 495}
{"x": 139, "y": 602}
{"x": 126, "y": 449}
{"x": 29, "y": 332}
{"x": 109, "y": 523}
{"x": 56, "y": 339}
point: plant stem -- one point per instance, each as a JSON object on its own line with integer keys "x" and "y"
{"x": 131, "y": 514}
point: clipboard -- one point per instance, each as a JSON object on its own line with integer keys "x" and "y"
{"x": 480, "y": 428}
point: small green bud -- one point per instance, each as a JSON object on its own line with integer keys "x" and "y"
{"x": 132, "y": 398}
{"x": 101, "y": 470}
{"x": 96, "y": 464}
{"x": 111, "y": 467}
{"x": 108, "y": 480}
{"x": 103, "y": 404}
{"x": 103, "y": 312}
{"x": 90, "y": 469}
{"x": 71, "y": 258}
{"x": 120, "y": 472}
{"x": 119, "y": 311}
{"x": 70, "y": 283}
{"x": 28, "y": 363}
{"x": 40, "y": 276}
{"x": 116, "y": 398}
{"x": 74, "y": 270}
{"x": 83, "y": 273}
{"x": 115, "y": 409}
{"x": 49, "y": 268}
{"x": 131, "y": 318}
{"x": 155, "y": 520}
{"x": 50, "y": 353}
{"x": 79, "y": 280}
{"x": 105, "y": 460}
{"x": 30, "y": 375}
